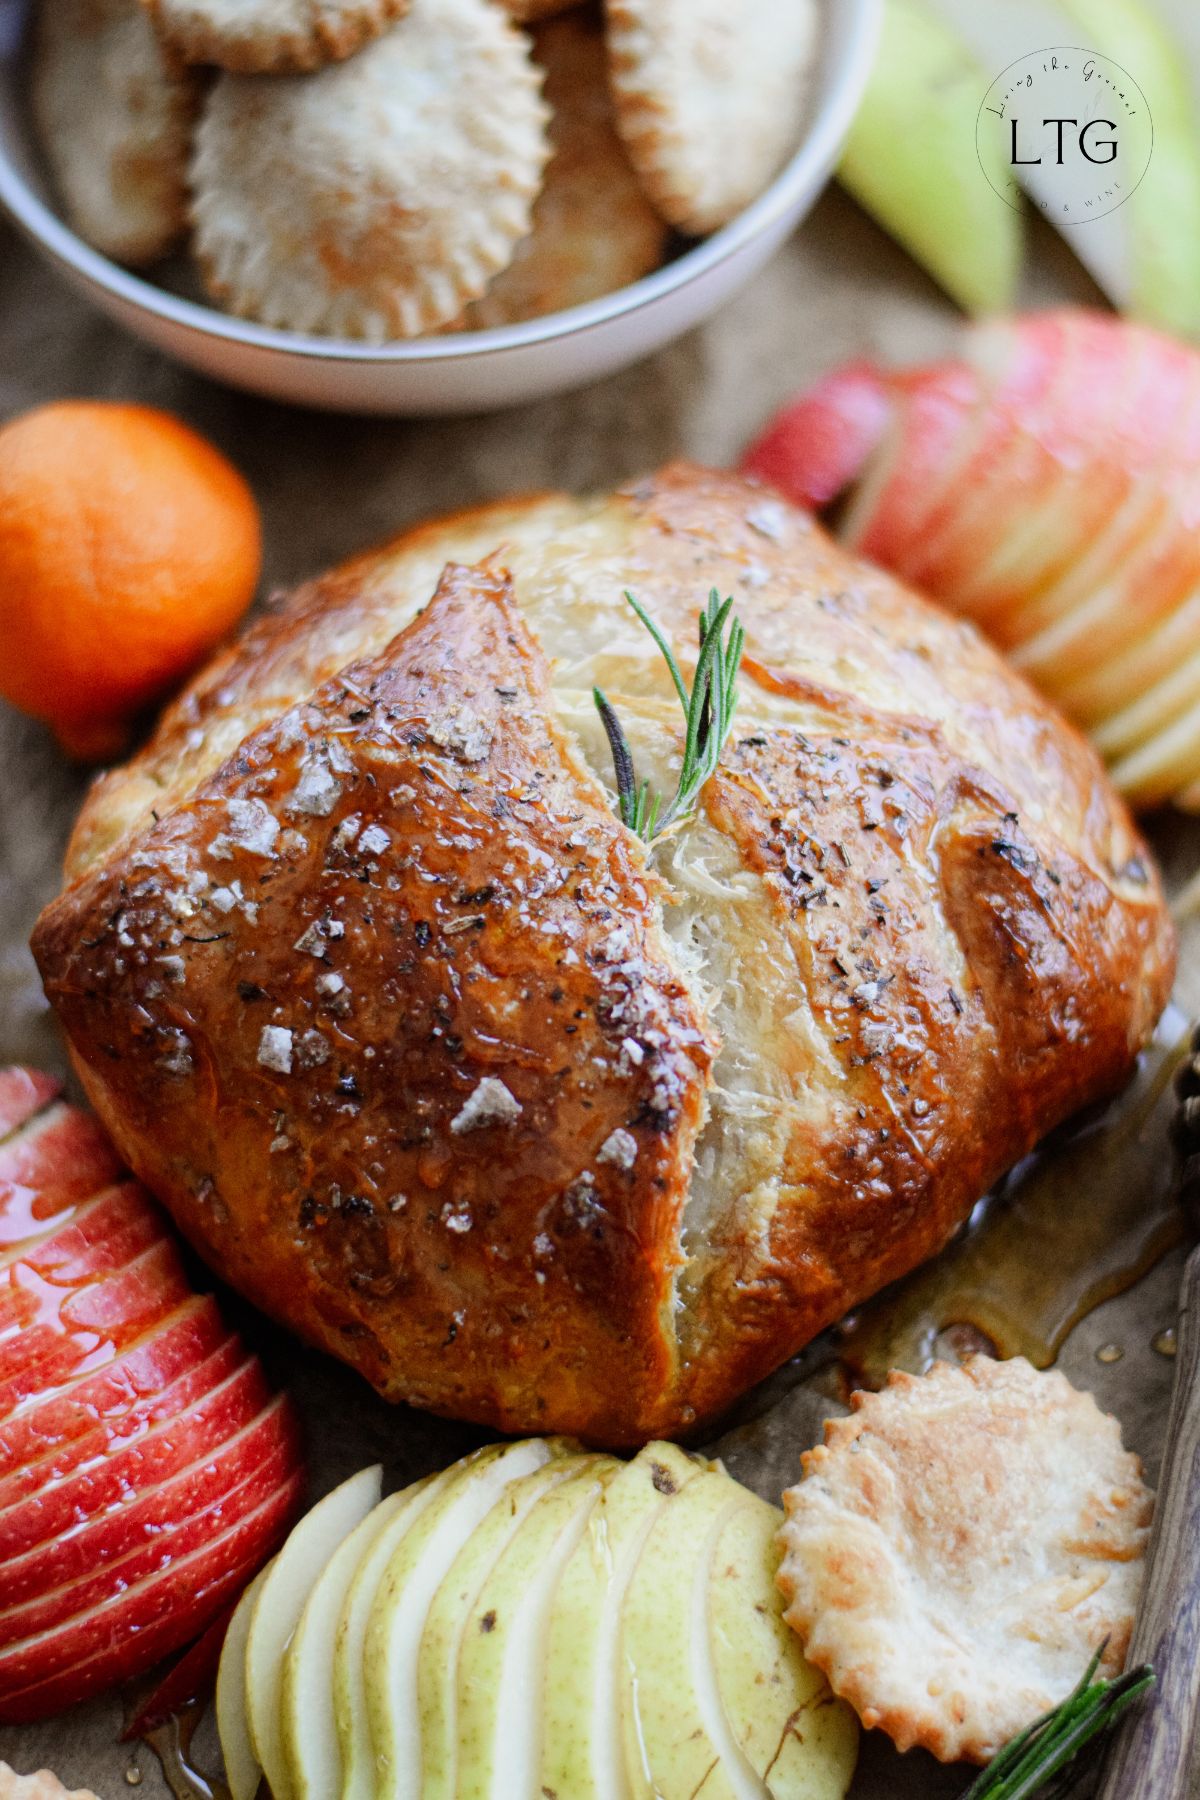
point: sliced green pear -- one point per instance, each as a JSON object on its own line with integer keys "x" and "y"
{"x": 677, "y": 1739}
{"x": 310, "y": 1738}
{"x": 243, "y": 1771}
{"x": 583, "y": 1754}
{"x": 445, "y": 1626}
{"x": 911, "y": 160}
{"x": 502, "y": 1666}
{"x": 356, "y": 1752}
{"x": 780, "y": 1711}
{"x": 277, "y": 1608}
{"x": 1145, "y": 254}
{"x": 414, "y": 1572}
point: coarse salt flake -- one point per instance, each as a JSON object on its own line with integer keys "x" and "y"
{"x": 275, "y": 1049}
{"x": 490, "y": 1104}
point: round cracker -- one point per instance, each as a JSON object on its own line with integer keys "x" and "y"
{"x": 376, "y": 198}
{"x": 710, "y": 98}
{"x": 271, "y": 37}
{"x": 114, "y": 114}
{"x": 593, "y": 228}
{"x": 960, "y": 1547}
{"x": 41, "y": 1786}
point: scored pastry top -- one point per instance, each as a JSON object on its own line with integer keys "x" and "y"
{"x": 587, "y": 1137}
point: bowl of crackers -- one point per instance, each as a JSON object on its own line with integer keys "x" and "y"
{"x": 419, "y": 206}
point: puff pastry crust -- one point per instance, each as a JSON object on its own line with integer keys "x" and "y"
{"x": 432, "y": 1061}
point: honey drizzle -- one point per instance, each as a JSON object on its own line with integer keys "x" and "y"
{"x": 171, "y": 1742}
{"x": 1077, "y": 1223}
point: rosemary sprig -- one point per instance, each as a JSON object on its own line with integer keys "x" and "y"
{"x": 708, "y": 714}
{"x": 1031, "y": 1762}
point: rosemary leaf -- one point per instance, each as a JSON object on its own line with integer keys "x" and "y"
{"x": 708, "y": 712}
{"x": 1029, "y": 1764}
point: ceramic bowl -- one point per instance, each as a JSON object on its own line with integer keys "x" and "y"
{"x": 464, "y": 372}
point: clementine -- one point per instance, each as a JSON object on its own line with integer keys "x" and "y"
{"x": 128, "y": 548}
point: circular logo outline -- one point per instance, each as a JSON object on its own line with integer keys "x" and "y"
{"x": 1014, "y": 184}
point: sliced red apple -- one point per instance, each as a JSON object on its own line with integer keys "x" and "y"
{"x": 1046, "y": 485}
{"x": 22, "y": 1093}
{"x": 56, "y": 1461}
{"x": 56, "y": 1159}
{"x": 52, "y": 1625}
{"x": 134, "y": 1632}
{"x": 135, "y": 1379}
{"x": 815, "y": 448}
{"x": 145, "y": 1470}
{"x": 115, "y": 1479}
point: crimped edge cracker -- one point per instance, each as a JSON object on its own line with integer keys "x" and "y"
{"x": 710, "y": 98}
{"x": 114, "y": 113}
{"x": 594, "y": 230}
{"x": 377, "y": 198}
{"x": 959, "y": 1547}
{"x": 41, "y": 1786}
{"x": 258, "y": 37}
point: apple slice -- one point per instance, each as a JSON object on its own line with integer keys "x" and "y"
{"x": 60, "y": 1576}
{"x": 416, "y": 1570}
{"x": 583, "y": 1754}
{"x": 124, "y": 1636}
{"x": 279, "y": 1605}
{"x": 55, "y": 1160}
{"x": 781, "y": 1715}
{"x": 243, "y": 1771}
{"x": 349, "y": 1670}
{"x": 677, "y": 1739}
{"x": 23, "y": 1092}
{"x": 310, "y": 1736}
{"x": 446, "y": 1624}
{"x": 502, "y": 1666}
{"x": 816, "y": 447}
{"x": 113, "y": 1484}
{"x": 129, "y": 1384}
{"x": 56, "y": 1461}
{"x": 179, "y": 1520}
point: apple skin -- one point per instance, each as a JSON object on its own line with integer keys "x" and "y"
{"x": 180, "y": 1607}
{"x": 818, "y": 445}
{"x": 57, "y": 1459}
{"x": 146, "y": 1471}
{"x": 105, "y": 1507}
{"x": 72, "y": 1625}
{"x": 119, "y": 1393}
{"x": 1046, "y": 485}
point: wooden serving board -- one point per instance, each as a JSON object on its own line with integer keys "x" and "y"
{"x": 330, "y": 486}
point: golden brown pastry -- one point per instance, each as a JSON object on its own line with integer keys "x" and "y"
{"x": 433, "y": 1062}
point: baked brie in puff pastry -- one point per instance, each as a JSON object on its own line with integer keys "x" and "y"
{"x": 433, "y": 1060}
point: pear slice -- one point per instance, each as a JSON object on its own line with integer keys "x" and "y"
{"x": 677, "y": 1739}
{"x": 583, "y": 1755}
{"x": 277, "y": 1608}
{"x": 793, "y": 1733}
{"x": 243, "y": 1771}
{"x": 414, "y": 1572}
{"x": 910, "y": 159}
{"x": 310, "y": 1737}
{"x": 356, "y": 1752}
{"x": 502, "y": 1667}
{"x": 1145, "y": 254}
{"x": 441, "y": 1642}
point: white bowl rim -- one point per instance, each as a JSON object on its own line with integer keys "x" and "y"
{"x": 820, "y": 146}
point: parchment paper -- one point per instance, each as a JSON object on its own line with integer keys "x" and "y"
{"x": 329, "y": 486}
